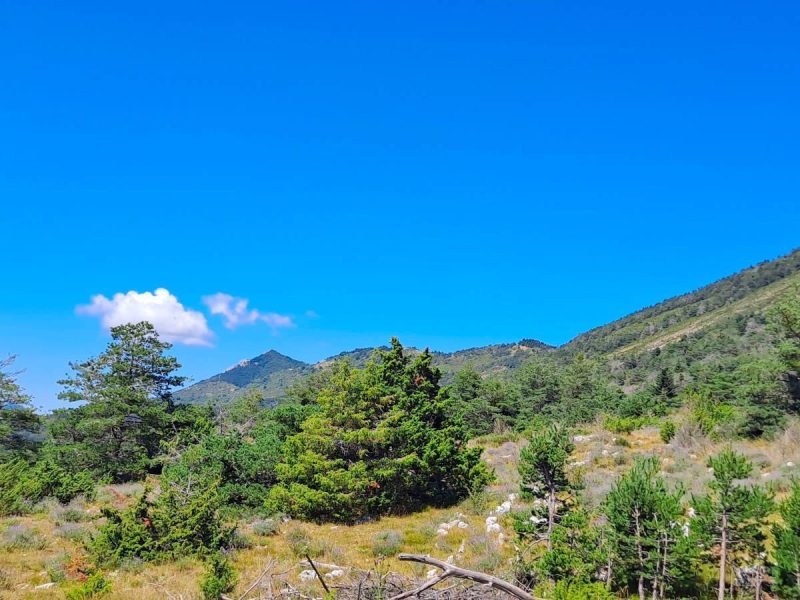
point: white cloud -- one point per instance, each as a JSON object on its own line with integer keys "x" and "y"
{"x": 236, "y": 313}
{"x": 172, "y": 320}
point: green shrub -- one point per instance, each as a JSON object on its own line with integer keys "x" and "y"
{"x": 23, "y": 485}
{"x": 266, "y": 527}
{"x": 709, "y": 413}
{"x": 175, "y": 524}
{"x": 625, "y": 424}
{"x": 387, "y": 543}
{"x": 301, "y": 543}
{"x": 13, "y": 481}
{"x": 219, "y": 577}
{"x": 667, "y": 431}
{"x": 239, "y": 541}
{"x": 567, "y": 590}
{"x": 56, "y": 568}
{"x": 96, "y": 585}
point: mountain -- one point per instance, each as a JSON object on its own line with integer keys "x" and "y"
{"x": 672, "y": 319}
{"x": 271, "y": 373}
{"x": 725, "y": 317}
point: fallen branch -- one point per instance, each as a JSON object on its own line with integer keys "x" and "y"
{"x": 319, "y": 575}
{"x": 449, "y": 570}
{"x": 266, "y": 570}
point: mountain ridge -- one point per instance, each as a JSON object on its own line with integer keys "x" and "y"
{"x": 744, "y": 293}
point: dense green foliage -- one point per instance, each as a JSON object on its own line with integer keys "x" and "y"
{"x": 219, "y": 577}
{"x": 786, "y": 569}
{"x": 644, "y": 517}
{"x": 382, "y": 441}
{"x": 731, "y": 517}
{"x": 542, "y": 470}
{"x": 127, "y": 397}
{"x": 19, "y": 424}
{"x": 184, "y": 520}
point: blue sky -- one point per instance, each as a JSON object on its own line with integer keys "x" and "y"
{"x": 457, "y": 174}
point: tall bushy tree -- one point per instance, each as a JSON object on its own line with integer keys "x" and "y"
{"x": 643, "y": 515}
{"x": 539, "y": 387}
{"x": 584, "y": 392}
{"x": 382, "y": 440}
{"x": 482, "y": 404}
{"x": 578, "y": 552}
{"x": 127, "y": 396}
{"x": 472, "y": 405}
{"x": 664, "y": 386}
{"x": 542, "y": 469}
{"x": 731, "y": 518}
{"x": 785, "y": 320}
{"x": 19, "y": 423}
{"x": 786, "y": 570}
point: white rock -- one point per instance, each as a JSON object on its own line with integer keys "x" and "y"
{"x": 335, "y": 574}
{"x": 307, "y": 575}
{"x": 686, "y": 529}
{"x": 45, "y": 586}
{"x": 692, "y": 512}
{"x": 462, "y": 525}
{"x": 492, "y": 526}
{"x": 582, "y": 438}
{"x": 605, "y": 452}
{"x": 537, "y": 520}
{"x": 767, "y": 474}
{"x": 790, "y": 464}
{"x": 449, "y": 560}
{"x": 431, "y": 573}
{"x": 442, "y": 531}
{"x": 512, "y": 497}
{"x": 503, "y": 508}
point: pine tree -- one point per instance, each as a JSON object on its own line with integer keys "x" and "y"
{"x": 19, "y": 423}
{"x": 384, "y": 439}
{"x": 731, "y": 518}
{"x": 665, "y": 385}
{"x": 644, "y": 515}
{"x": 471, "y": 404}
{"x": 127, "y": 397}
{"x": 542, "y": 469}
{"x": 786, "y": 568}
{"x": 539, "y": 389}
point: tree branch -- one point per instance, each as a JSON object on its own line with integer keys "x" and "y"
{"x": 453, "y": 571}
